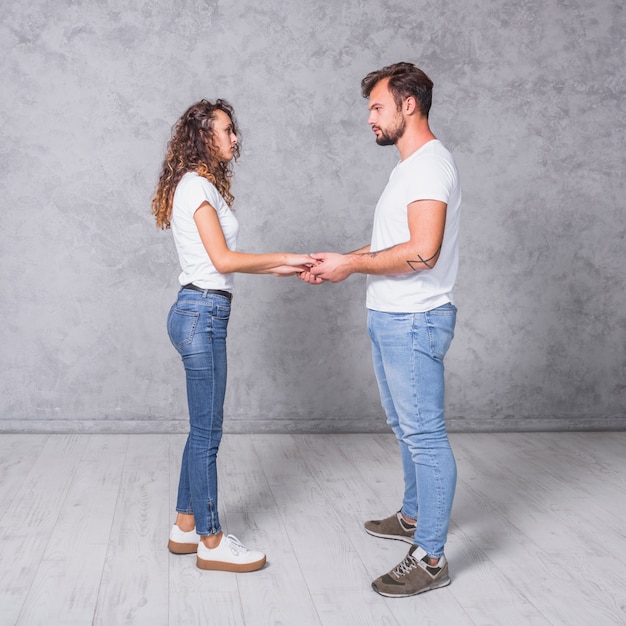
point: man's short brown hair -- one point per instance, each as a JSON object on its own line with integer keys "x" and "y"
{"x": 404, "y": 80}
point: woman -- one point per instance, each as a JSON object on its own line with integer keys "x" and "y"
{"x": 193, "y": 197}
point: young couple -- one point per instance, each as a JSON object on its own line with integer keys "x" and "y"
{"x": 411, "y": 265}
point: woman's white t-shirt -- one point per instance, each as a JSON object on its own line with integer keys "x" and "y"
{"x": 195, "y": 262}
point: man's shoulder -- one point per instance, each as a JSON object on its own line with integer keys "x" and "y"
{"x": 431, "y": 158}
{"x": 432, "y": 149}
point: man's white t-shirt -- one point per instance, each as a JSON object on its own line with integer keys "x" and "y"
{"x": 428, "y": 174}
{"x": 196, "y": 265}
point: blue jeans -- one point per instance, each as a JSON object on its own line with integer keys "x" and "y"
{"x": 196, "y": 325}
{"x": 408, "y": 351}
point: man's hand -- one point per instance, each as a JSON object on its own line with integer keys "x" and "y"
{"x": 307, "y": 277}
{"x": 331, "y": 266}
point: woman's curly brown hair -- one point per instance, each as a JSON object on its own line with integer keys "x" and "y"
{"x": 191, "y": 149}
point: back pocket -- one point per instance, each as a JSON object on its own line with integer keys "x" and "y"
{"x": 181, "y": 326}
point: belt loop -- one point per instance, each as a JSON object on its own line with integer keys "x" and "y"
{"x": 205, "y": 293}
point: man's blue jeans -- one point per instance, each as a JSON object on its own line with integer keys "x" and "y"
{"x": 197, "y": 324}
{"x": 408, "y": 351}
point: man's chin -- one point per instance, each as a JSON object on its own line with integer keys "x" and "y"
{"x": 384, "y": 141}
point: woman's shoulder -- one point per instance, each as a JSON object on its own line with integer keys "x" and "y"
{"x": 192, "y": 185}
{"x": 192, "y": 190}
{"x": 193, "y": 179}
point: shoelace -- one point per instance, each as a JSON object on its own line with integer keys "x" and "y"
{"x": 406, "y": 566}
{"x": 235, "y": 545}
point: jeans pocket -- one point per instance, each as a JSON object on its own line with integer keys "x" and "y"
{"x": 441, "y": 323}
{"x": 222, "y": 312}
{"x": 181, "y": 327}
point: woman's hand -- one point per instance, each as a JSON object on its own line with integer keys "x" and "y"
{"x": 295, "y": 264}
{"x": 288, "y": 270}
{"x": 300, "y": 260}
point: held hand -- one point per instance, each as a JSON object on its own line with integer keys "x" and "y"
{"x": 294, "y": 264}
{"x": 289, "y": 270}
{"x": 331, "y": 266}
{"x": 307, "y": 277}
{"x": 299, "y": 260}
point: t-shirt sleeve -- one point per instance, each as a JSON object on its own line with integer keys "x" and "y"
{"x": 196, "y": 191}
{"x": 432, "y": 179}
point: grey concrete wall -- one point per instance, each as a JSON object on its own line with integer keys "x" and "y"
{"x": 529, "y": 96}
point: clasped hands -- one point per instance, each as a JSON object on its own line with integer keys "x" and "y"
{"x": 317, "y": 268}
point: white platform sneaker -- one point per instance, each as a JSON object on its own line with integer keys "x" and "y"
{"x": 229, "y": 556}
{"x": 183, "y": 542}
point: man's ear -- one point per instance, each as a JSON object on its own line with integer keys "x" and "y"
{"x": 409, "y": 106}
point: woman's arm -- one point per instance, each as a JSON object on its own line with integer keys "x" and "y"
{"x": 226, "y": 260}
{"x": 285, "y": 270}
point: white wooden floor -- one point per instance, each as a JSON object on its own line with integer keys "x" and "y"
{"x": 537, "y": 536}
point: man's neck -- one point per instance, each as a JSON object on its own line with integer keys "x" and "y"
{"x": 413, "y": 140}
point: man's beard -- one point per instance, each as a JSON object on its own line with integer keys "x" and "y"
{"x": 391, "y": 136}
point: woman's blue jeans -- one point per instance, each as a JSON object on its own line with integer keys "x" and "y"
{"x": 408, "y": 351}
{"x": 197, "y": 324}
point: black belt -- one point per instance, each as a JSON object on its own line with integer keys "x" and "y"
{"x": 219, "y": 292}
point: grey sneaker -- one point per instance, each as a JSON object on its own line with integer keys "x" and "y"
{"x": 412, "y": 576}
{"x": 393, "y": 527}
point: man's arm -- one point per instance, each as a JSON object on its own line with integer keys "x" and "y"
{"x": 308, "y": 277}
{"x": 362, "y": 250}
{"x": 426, "y": 220}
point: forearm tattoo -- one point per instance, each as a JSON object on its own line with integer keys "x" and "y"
{"x": 416, "y": 265}
{"x": 419, "y": 264}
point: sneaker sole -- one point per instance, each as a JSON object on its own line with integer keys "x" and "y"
{"x": 224, "y": 566}
{"x": 182, "y": 548}
{"x": 396, "y": 537}
{"x": 444, "y": 582}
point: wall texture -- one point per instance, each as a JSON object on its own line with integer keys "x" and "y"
{"x": 529, "y": 96}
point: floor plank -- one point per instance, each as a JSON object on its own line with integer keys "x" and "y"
{"x": 523, "y": 528}
{"x": 16, "y": 457}
{"x": 134, "y": 589}
{"x": 279, "y": 591}
{"x": 331, "y": 566}
{"x": 536, "y": 535}
{"x": 30, "y": 518}
{"x": 68, "y": 576}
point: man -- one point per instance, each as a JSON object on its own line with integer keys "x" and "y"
{"x": 411, "y": 265}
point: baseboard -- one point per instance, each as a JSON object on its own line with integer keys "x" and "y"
{"x": 319, "y": 425}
